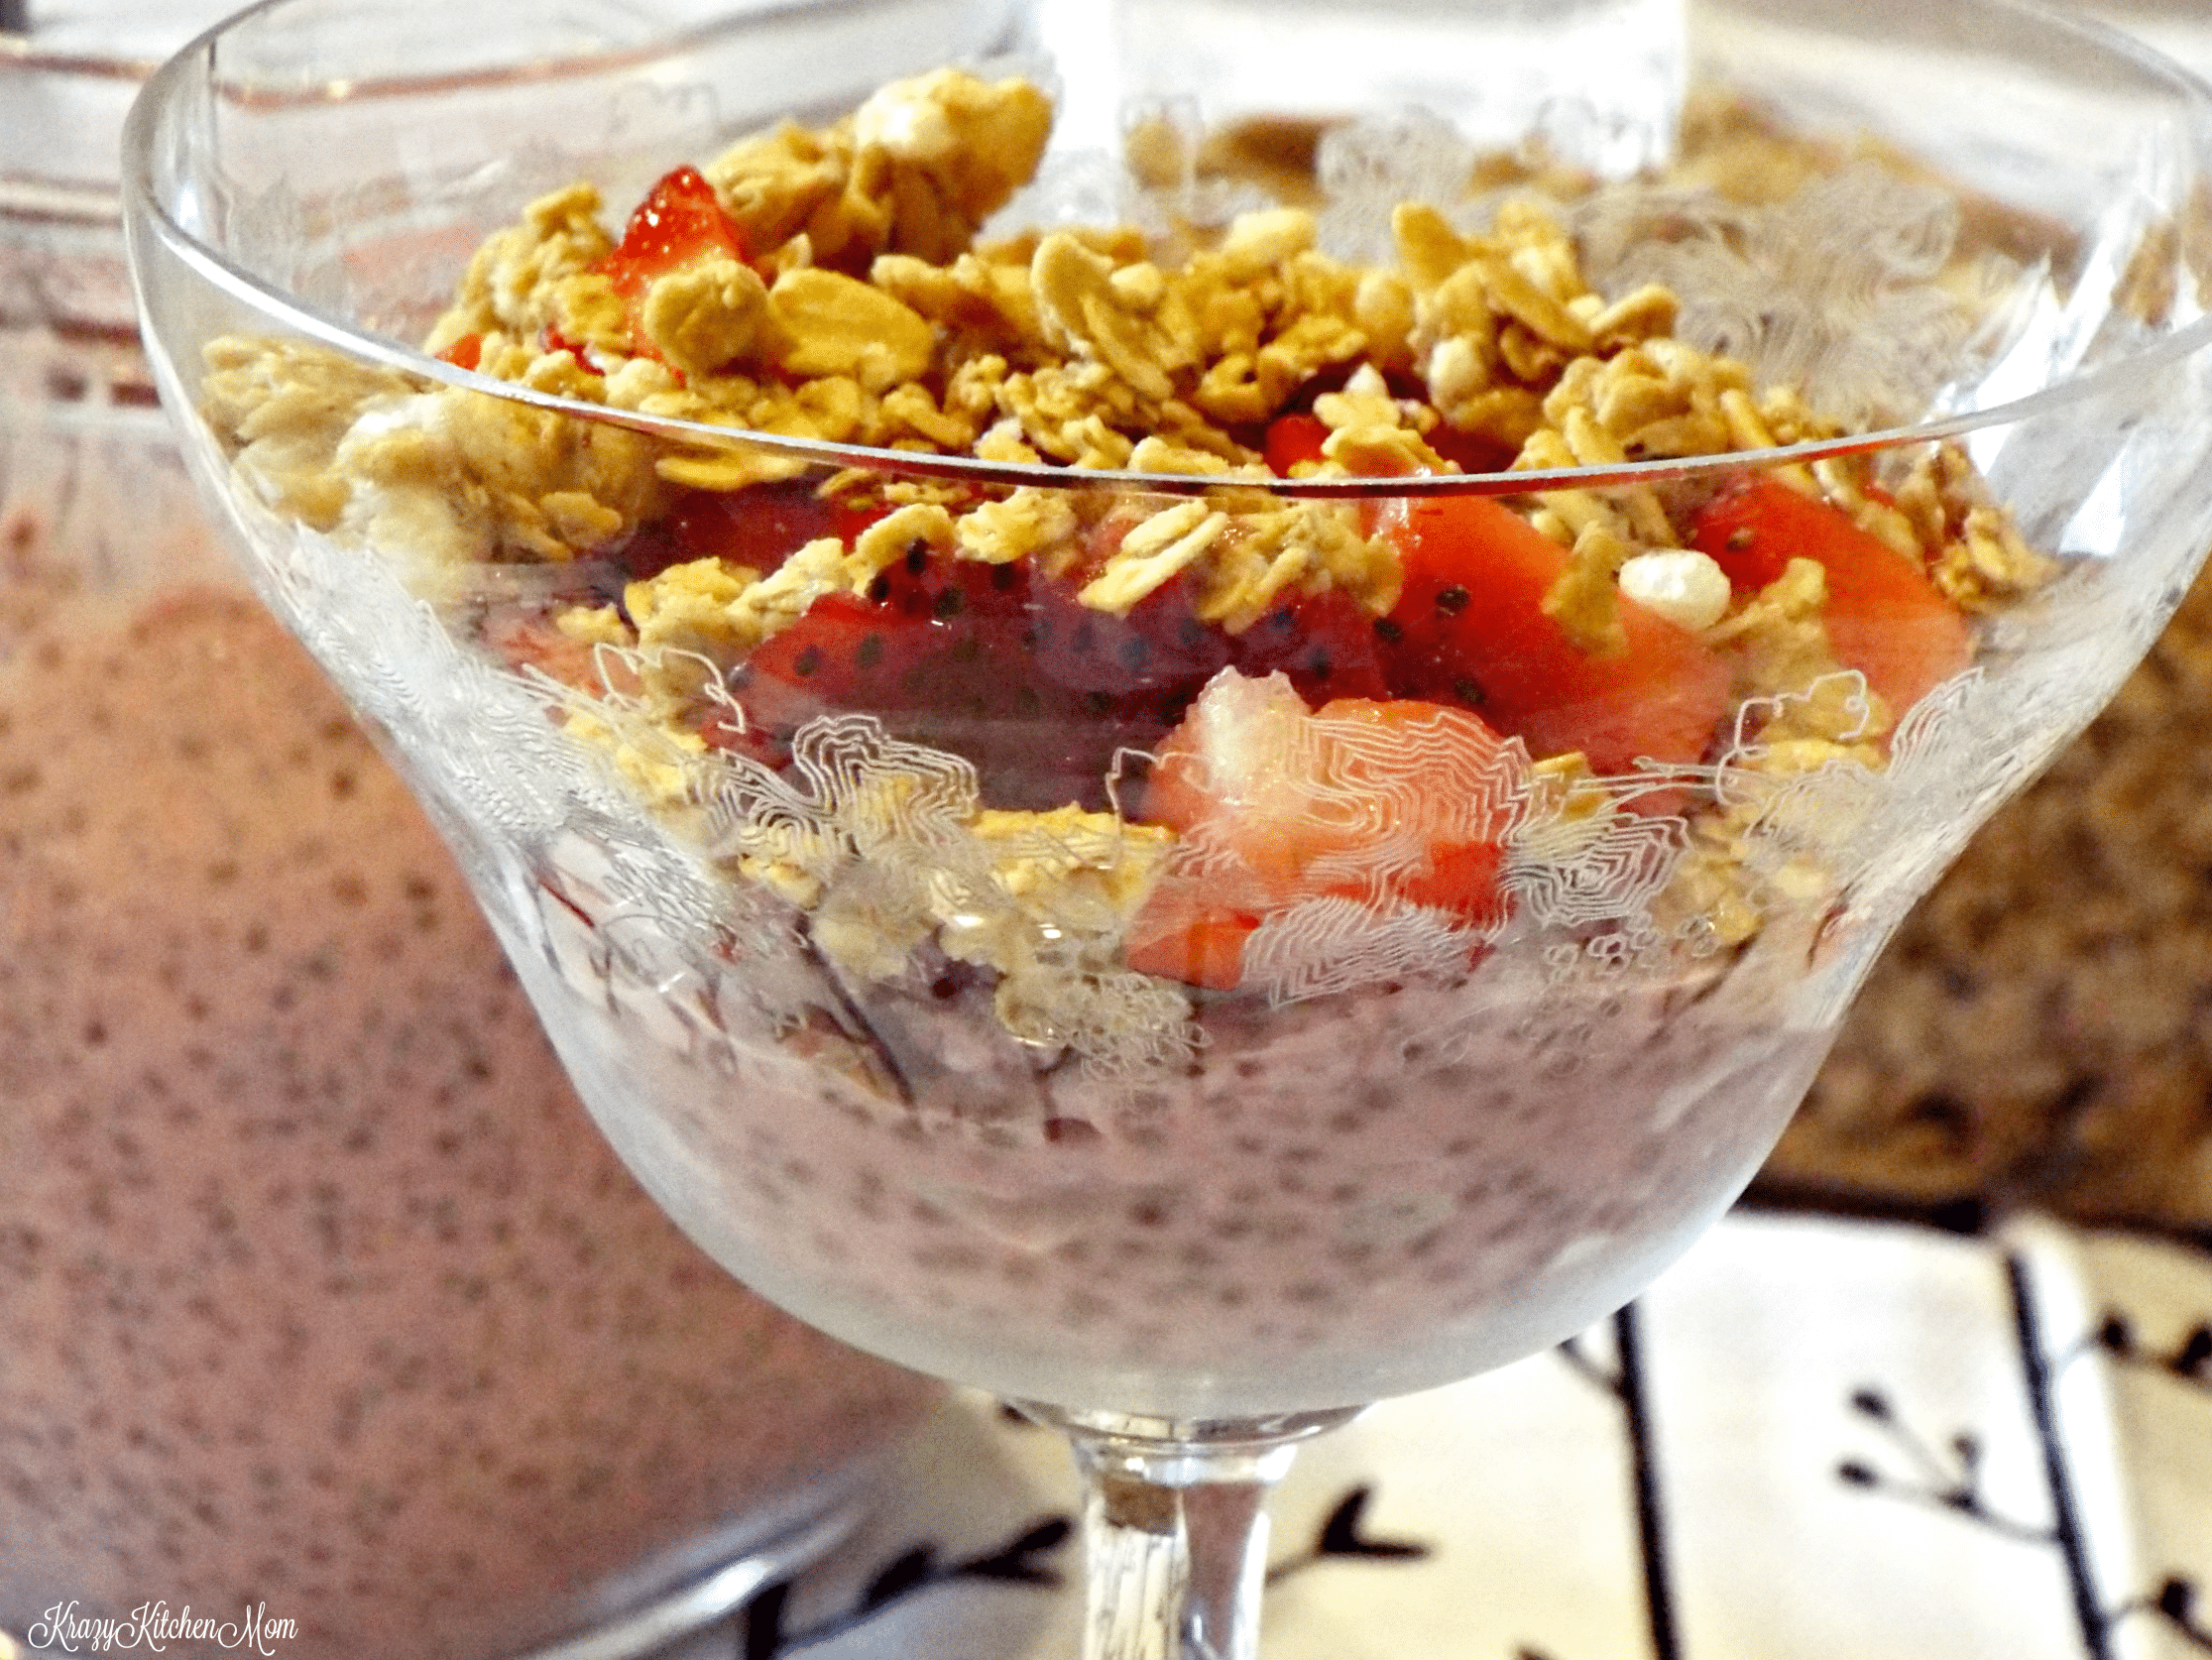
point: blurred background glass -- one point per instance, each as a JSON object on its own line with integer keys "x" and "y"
{"x": 317, "y": 1289}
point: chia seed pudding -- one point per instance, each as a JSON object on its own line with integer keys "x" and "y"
{"x": 1367, "y": 1195}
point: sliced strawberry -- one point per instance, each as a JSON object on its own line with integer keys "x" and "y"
{"x": 1326, "y": 643}
{"x": 1442, "y": 774}
{"x": 1005, "y": 666}
{"x": 1469, "y": 629}
{"x": 756, "y": 527}
{"x": 1181, "y": 935}
{"x": 556, "y": 341}
{"x": 1158, "y": 648}
{"x": 1391, "y": 804}
{"x": 944, "y": 654}
{"x": 526, "y": 638}
{"x": 1883, "y": 616}
{"x": 762, "y": 526}
{"x": 847, "y": 654}
{"x": 1473, "y": 452}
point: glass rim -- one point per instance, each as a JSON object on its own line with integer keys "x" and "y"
{"x": 144, "y": 212}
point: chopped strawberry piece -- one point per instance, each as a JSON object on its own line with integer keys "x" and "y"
{"x": 556, "y": 341}
{"x": 1180, "y": 936}
{"x": 1883, "y": 616}
{"x": 1390, "y": 803}
{"x": 1471, "y": 452}
{"x": 1159, "y": 646}
{"x": 954, "y": 655}
{"x": 1469, "y": 629}
{"x": 1326, "y": 643}
{"x": 529, "y": 639}
{"x": 998, "y": 662}
{"x": 1292, "y": 438}
{"x": 679, "y": 220}
{"x": 1441, "y": 771}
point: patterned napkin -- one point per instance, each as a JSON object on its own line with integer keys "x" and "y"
{"x": 1814, "y": 1438}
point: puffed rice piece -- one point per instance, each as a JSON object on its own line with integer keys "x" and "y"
{"x": 1688, "y": 588}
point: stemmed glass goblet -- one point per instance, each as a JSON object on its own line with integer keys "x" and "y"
{"x": 1193, "y": 1024}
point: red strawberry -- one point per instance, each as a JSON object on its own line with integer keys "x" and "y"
{"x": 942, "y": 654}
{"x": 758, "y": 528}
{"x": 1470, "y": 629}
{"x": 1006, "y": 667}
{"x": 526, "y": 638}
{"x": 680, "y": 221}
{"x": 1326, "y": 643}
{"x": 1159, "y": 646}
{"x": 1292, "y": 438}
{"x": 1385, "y": 802}
{"x": 1884, "y": 616}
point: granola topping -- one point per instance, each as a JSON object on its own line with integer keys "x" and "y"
{"x": 835, "y": 283}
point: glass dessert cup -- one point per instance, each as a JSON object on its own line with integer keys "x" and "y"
{"x": 322, "y": 1292}
{"x": 1191, "y": 1009}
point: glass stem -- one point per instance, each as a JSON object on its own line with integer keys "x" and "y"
{"x": 1175, "y": 1527}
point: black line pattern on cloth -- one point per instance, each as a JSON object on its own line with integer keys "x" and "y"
{"x": 1949, "y": 1478}
{"x": 1659, "y": 1591}
{"x": 2188, "y": 1362}
{"x": 1589, "y": 1367}
{"x": 1944, "y": 1472}
{"x": 1024, "y": 1559}
{"x": 1021, "y": 1560}
{"x": 1340, "y": 1538}
{"x": 2089, "y": 1614}
{"x": 2175, "y": 1604}
{"x": 1953, "y": 1484}
{"x": 1624, "y": 1382}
